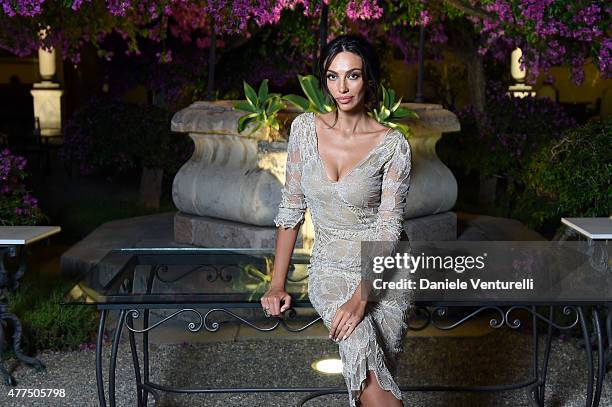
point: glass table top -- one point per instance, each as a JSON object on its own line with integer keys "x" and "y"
{"x": 187, "y": 275}
{"x": 158, "y": 276}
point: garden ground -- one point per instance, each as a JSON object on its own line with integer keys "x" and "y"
{"x": 497, "y": 357}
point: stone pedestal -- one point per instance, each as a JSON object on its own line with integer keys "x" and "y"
{"x": 48, "y": 107}
{"x": 228, "y": 192}
{"x": 212, "y": 232}
{"x": 442, "y": 226}
{"x": 47, "y": 94}
{"x": 433, "y": 187}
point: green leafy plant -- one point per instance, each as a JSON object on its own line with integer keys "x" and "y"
{"x": 315, "y": 100}
{"x": 570, "y": 177}
{"x": 257, "y": 281}
{"x": 389, "y": 112}
{"x": 261, "y": 108}
{"x": 46, "y": 323}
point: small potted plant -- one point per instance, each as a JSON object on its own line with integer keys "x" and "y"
{"x": 262, "y": 108}
{"x": 315, "y": 100}
{"x": 390, "y": 112}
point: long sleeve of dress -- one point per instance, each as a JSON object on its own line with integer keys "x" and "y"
{"x": 293, "y": 204}
{"x": 396, "y": 181}
{"x": 395, "y": 185}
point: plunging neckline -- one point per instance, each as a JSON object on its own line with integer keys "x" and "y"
{"x": 360, "y": 163}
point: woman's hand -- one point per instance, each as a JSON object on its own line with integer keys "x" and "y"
{"x": 272, "y": 299}
{"x": 347, "y": 317}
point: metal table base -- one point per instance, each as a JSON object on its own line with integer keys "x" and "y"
{"x": 10, "y": 283}
{"x": 534, "y": 385}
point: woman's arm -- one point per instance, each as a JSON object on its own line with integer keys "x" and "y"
{"x": 396, "y": 182}
{"x": 285, "y": 243}
{"x": 395, "y": 185}
{"x": 288, "y": 220}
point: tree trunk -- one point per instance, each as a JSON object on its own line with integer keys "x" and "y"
{"x": 151, "y": 187}
{"x": 462, "y": 42}
{"x": 322, "y": 37}
{"x": 476, "y": 82}
{"x": 477, "y": 87}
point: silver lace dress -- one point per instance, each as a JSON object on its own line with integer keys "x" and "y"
{"x": 365, "y": 205}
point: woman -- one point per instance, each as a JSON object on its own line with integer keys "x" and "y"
{"x": 353, "y": 175}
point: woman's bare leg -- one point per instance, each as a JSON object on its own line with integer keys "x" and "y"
{"x": 374, "y": 396}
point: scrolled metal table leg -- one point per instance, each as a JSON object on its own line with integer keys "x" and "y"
{"x": 145, "y": 342}
{"x": 601, "y": 366}
{"x": 609, "y": 335}
{"x": 139, "y": 390}
{"x": 589, "y": 355}
{"x": 99, "y": 373}
{"x": 113, "y": 359}
{"x": 153, "y": 392}
{"x": 129, "y": 321}
{"x": 547, "y": 347}
{"x": 533, "y": 392}
{"x": 145, "y": 357}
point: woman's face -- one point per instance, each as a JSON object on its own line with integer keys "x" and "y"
{"x": 344, "y": 79}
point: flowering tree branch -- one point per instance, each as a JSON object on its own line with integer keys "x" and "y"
{"x": 469, "y": 9}
{"x": 550, "y": 32}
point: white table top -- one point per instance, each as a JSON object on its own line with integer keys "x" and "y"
{"x": 593, "y": 228}
{"x": 22, "y": 235}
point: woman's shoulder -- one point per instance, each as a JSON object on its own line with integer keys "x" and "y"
{"x": 300, "y": 129}
{"x": 302, "y": 119}
{"x": 397, "y": 143}
{"x": 300, "y": 124}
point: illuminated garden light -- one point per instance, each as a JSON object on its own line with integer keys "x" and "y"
{"x": 328, "y": 366}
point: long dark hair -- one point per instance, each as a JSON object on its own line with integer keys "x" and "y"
{"x": 371, "y": 66}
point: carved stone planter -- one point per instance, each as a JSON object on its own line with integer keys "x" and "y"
{"x": 228, "y": 192}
